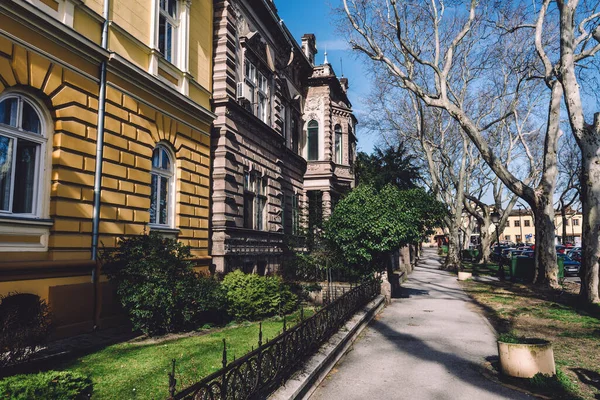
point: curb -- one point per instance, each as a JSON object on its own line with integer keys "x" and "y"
{"x": 304, "y": 382}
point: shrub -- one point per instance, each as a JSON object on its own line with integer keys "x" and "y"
{"x": 252, "y": 297}
{"x": 157, "y": 285}
{"x": 201, "y": 300}
{"x": 56, "y": 385}
{"x": 25, "y": 324}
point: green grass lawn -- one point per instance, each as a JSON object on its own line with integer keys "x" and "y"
{"x": 139, "y": 370}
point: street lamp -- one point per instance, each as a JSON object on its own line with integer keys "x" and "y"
{"x": 495, "y": 217}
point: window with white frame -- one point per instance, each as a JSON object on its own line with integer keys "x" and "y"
{"x": 284, "y": 127}
{"x": 263, "y": 96}
{"x": 161, "y": 188}
{"x": 22, "y": 145}
{"x": 62, "y": 10}
{"x": 168, "y": 25}
{"x": 338, "y": 144}
{"x": 255, "y": 200}
{"x": 250, "y": 77}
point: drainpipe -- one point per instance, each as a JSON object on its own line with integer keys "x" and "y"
{"x": 99, "y": 157}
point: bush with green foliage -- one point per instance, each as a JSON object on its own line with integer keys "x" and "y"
{"x": 158, "y": 287}
{"x": 55, "y": 385}
{"x": 251, "y": 296}
{"x": 369, "y": 224}
{"x": 25, "y": 324}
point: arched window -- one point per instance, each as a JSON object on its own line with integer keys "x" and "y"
{"x": 161, "y": 189}
{"x": 313, "y": 140}
{"x": 338, "y": 144}
{"x": 21, "y": 155}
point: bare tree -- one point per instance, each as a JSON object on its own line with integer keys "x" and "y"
{"x": 567, "y": 41}
{"x": 420, "y": 36}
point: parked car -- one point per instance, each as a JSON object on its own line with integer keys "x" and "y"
{"x": 528, "y": 254}
{"x": 560, "y": 249}
{"x": 575, "y": 255}
{"x": 571, "y": 266}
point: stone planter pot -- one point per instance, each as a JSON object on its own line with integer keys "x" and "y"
{"x": 526, "y": 359}
{"x": 463, "y": 276}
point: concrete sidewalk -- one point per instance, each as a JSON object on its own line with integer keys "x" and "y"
{"x": 431, "y": 344}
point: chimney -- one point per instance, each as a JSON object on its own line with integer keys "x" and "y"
{"x": 344, "y": 83}
{"x": 309, "y": 47}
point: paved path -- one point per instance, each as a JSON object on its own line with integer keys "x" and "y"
{"x": 428, "y": 345}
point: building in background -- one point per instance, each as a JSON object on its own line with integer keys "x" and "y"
{"x": 329, "y": 144}
{"x": 275, "y": 110}
{"x": 155, "y": 174}
{"x": 520, "y": 227}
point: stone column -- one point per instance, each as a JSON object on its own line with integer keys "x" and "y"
{"x": 326, "y": 204}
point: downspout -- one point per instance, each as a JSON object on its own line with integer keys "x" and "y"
{"x": 99, "y": 157}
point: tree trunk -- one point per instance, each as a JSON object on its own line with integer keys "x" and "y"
{"x": 486, "y": 240}
{"x": 453, "y": 259}
{"x": 563, "y": 214}
{"x": 545, "y": 250}
{"x": 590, "y": 199}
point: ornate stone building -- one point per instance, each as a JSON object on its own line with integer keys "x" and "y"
{"x": 275, "y": 109}
{"x": 329, "y": 142}
{"x": 259, "y": 90}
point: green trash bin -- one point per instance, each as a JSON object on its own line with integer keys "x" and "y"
{"x": 522, "y": 269}
{"x": 561, "y": 268}
{"x": 445, "y": 249}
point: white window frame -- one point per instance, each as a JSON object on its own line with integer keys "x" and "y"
{"x": 338, "y": 136}
{"x": 250, "y": 79}
{"x": 263, "y": 98}
{"x": 170, "y": 175}
{"x": 174, "y": 22}
{"x": 40, "y": 139}
{"x": 64, "y": 14}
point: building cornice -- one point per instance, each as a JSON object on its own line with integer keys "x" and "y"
{"x": 157, "y": 88}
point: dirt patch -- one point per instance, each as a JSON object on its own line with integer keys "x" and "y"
{"x": 531, "y": 311}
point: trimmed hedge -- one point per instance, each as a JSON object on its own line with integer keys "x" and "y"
{"x": 55, "y": 385}
{"x": 252, "y": 297}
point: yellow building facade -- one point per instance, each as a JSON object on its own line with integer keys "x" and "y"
{"x": 520, "y": 227}
{"x": 152, "y": 62}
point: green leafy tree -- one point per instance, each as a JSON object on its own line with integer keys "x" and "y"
{"x": 390, "y": 165}
{"x": 368, "y": 225}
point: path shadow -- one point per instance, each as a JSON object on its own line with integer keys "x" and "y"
{"x": 590, "y": 378}
{"x": 460, "y": 367}
{"x": 406, "y": 292}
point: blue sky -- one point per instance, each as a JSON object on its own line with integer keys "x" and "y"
{"x": 315, "y": 16}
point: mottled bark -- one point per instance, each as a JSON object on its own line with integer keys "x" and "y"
{"x": 453, "y": 258}
{"x": 590, "y": 199}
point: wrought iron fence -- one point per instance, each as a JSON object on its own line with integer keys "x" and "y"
{"x": 262, "y": 370}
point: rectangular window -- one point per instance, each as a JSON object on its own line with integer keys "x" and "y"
{"x": 518, "y": 238}
{"x": 263, "y": 96}
{"x": 255, "y": 201}
{"x": 527, "y": 222}
{"x": 167, "y": 29}
{"x": 517, "y": 224}
{"x": 283, "y": 116}
{"x": 507, "y": 237}
{"x": 575, "y": 222}
{"x": 567, "y": 222}
{"x": 295, "y": 214}
{"x": 250, "y": 77}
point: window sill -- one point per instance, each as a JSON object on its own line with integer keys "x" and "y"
{"x": 22, "y": 234}
{"x": 31, "y": 221}
{"x": 165, "y": 231}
